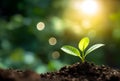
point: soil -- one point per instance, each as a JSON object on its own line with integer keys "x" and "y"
{"x": 76, "y": 72}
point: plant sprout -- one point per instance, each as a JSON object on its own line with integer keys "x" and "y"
{"x": 82, "y": 45}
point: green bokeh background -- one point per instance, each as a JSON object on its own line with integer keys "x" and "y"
{"x": 23, "y": 46}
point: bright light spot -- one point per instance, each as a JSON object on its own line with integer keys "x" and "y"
{"x": 52, "y": 41}
{"x": 29, "y": 58}
{"x": 40, "y": 26}
{"x": 41, "y": 69}
{"x": 87, "y": 6}
{"x": 55, "y": 54}
{"x": 57, "y": 23}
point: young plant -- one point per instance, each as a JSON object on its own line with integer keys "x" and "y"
{"x": 82, "y": 45}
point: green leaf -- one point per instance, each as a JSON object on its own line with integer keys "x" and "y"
{"x": 83, "y": 43}
{"x": 94, "y": 47}
{"x": 71, "y": 50}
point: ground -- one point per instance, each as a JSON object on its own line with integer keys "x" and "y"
{"x": 76, "y": 72}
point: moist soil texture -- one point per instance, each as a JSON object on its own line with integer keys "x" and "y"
{"x": 76, "y": 72}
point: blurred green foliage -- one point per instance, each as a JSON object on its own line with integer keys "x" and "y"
{"x": 23, "y": 46}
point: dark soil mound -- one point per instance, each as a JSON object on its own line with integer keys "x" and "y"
{"x": 83, "y": 72}
{"x": 16, "y": 75}
{"x": 76, "y": 72}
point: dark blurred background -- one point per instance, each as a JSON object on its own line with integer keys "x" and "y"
{"x": 33, "y": 31}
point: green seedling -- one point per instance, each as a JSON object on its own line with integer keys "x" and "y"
{"x": 82, "y": 45}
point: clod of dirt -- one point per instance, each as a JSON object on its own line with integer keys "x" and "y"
{"x": 76, "y": 72}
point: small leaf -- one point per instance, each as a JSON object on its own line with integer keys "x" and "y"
{"x": 83, "y": 43}
{"x": 71, "y": 50}
{"x": 94, "y": 47}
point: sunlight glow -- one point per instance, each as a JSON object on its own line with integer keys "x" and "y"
{"x": 87, "y": 6}
{"x": 86, "y": 24}
{"x": 76, "y": 29}
{"x": 84, "y": 17}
